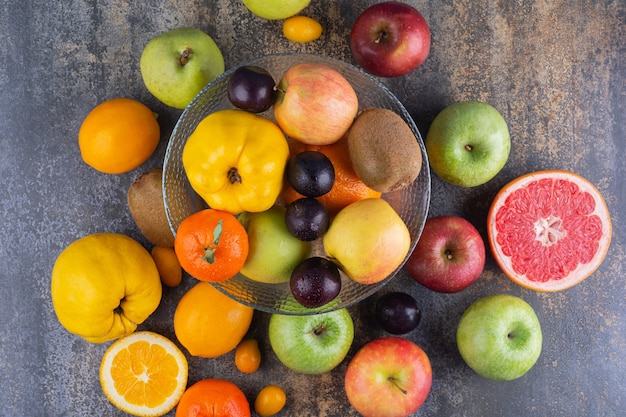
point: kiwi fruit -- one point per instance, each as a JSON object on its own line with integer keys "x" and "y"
{"x": 384, "y": 152}
{"x": 145, "y": 202}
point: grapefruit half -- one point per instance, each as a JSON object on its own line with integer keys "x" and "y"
{"x": 549, "y": 230}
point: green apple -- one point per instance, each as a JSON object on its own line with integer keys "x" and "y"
{"x": 275, "y": 9}
{"x": 177, "y": 64}
{"x": 368, "y": 240}
{"x": 468, "y": 143}
{"x": 273, "y": 251}
{"x": 499, "y": 337}
{"x": 312, "y": 344}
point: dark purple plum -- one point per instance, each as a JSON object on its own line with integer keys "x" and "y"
{"x": 397, "y": 312}
{"x": 307, "y": 219}
{"x": 310, "y": 173}
{"x": 252, "y": 89}
{"x": 315, "y": 281}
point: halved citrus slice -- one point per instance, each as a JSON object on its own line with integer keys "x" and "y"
{"x": 144, "y": 374}
{"x": 549, "y": 230}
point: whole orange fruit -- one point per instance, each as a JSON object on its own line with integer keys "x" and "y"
{"x": 118, "y": 135}
{"x": 208, "y": 323}
{"x": 211, "y": 245}
{"x": 213, "y": 397}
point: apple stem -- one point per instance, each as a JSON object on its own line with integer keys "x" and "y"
{"x": 394, "y": 381}
{"x": 319, "y": 329}
{"x": 468, "y": 148}
{"x": 448, "y": 254}
{"x": 184, "y": 57}
{"x": 381, "y": 35}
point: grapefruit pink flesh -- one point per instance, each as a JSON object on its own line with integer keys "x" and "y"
{"x": 549, "y": 230}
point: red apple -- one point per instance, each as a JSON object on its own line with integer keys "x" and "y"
{"x": 388, "y": 377}
{"x": 315, "y": 104}
{"x": 449, "y": 255}
{"x": 390, "y": 39}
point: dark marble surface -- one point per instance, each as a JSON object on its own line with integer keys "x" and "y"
{"x": 555, "y": 69}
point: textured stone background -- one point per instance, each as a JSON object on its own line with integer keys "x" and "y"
{"x": 555, "y": 69}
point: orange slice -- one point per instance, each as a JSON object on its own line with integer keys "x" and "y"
{"x": 144, "y": 374}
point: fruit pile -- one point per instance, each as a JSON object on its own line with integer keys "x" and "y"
{"x": 306, "y": 188}
{"x": 315, "y": 176}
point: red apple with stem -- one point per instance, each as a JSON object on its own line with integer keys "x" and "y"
{"x": 449, "y": 255}
{"x": 315, "y": 104}
{"x": 390, "y": 39}
{"x": 389, "y": 376}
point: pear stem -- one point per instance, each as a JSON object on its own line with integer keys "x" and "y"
{"x": 184, "y": 57}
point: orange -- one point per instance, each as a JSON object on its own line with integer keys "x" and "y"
{"x": 248, "y": 356}
{"x": 211, "y": 245}
{"x": 144, "y": 374}
{"x": 347, "y": 187}
{"x": 118, "y": 135}
{"x": 168, "y": 265}
{"x": 549, "y": 230}
{"x": 213, "y": 398}
{"x": 208, "y": 323}
{"x": 301, "y": 29}
{"x": 270, "y": 400}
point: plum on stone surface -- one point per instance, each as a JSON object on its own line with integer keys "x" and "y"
{"x": 397, "y": 312}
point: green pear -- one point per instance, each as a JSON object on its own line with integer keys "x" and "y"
{"x": 177, "y": 64}
{"x": 273, "y": 251}
{"x": 368, "y": 240}
{"x": 275, "y": 9}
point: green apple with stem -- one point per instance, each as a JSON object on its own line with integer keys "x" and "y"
{"x": 468, "y": 143}
{"x": 177, "y": 64}
{"x": 312, "y": 344}
{"x": 499, "y": 336}
{"x": 273, "y": 251}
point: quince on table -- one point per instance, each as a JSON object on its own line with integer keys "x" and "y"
{"x": 103, "y": 285}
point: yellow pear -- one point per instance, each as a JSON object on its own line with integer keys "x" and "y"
{"x": 368, "y": 240}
